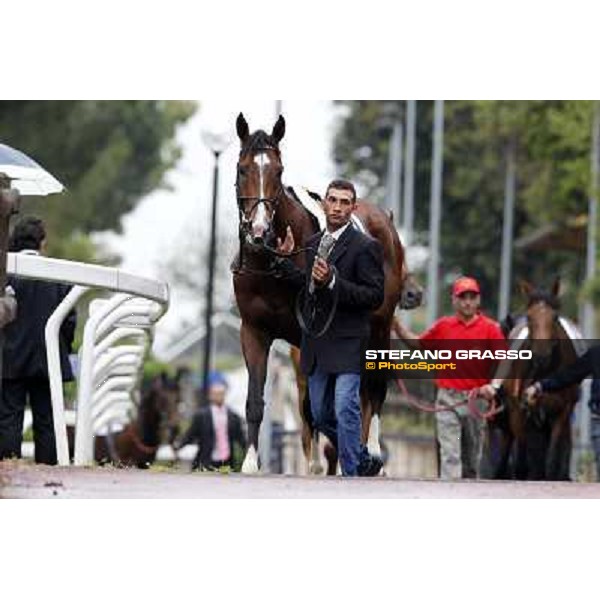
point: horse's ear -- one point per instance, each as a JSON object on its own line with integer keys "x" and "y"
{"x": 242, "y": 128}
{"x": 556, "y": 287}
{"x": 278, "y": 129}
{"x": 525, "y": 287}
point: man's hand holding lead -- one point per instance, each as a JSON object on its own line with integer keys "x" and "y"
{"x": 288, "y": 244}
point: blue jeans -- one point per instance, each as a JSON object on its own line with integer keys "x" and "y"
{"x": 335, "y": 408}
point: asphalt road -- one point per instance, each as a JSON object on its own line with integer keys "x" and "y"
{"x": 22, "y": 480}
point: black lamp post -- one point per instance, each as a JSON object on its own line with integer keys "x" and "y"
{"x": 217, "y": 145}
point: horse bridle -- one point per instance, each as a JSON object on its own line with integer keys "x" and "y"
{"x": 273, "y": 202}
{"x": 245, "y": 220}
{"x": 245, "y": 223}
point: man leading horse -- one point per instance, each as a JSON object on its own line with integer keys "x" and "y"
{"x": 267, "y": 304}
{"x": 345, "y": 273}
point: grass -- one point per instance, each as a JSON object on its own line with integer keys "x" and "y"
{"x": 585, "y": 469}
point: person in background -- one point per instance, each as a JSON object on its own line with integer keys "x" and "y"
{"x": 25, "y": 368}
{"x": 460, "y": 434}
{"x": 216, "y": 429}
{"x": 588, "y": 364}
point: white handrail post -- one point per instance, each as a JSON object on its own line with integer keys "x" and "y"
{"x": 51, "y": 333}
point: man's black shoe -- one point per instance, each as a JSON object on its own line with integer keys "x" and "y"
{"x": 370, "y": 466}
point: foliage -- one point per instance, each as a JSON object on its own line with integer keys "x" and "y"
{"x": 154, "y": 367}
{"x": 551, "y": 141}
{"x": 109, "y": 154}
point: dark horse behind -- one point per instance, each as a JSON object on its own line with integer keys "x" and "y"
{"x": 156, "y": 422}
{"x": 535, "y": 442}
{"x": 266, "y": 208}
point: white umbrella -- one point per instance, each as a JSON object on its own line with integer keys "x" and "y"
{"x": 26, "y": 175}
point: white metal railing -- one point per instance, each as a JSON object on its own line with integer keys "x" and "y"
{"x": 122, "y": 310}
{"x": 108, "y": 374}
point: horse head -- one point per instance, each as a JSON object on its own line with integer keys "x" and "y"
{"x": 258, "y": 183}
{"x": 411, "y": 296}
{"x": 542, "y": 317}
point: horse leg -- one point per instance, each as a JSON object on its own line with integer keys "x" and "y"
{"x": 369, "y": 436}
{"x": 500, "y": 431}
{"x": 309, "y": 435}
{"x": 372, "y": 398}
{"x": 331, "y": 456}
{"x": 374, "y": 430}
{"x": 537, "y": 452}
{"x": 558, "y": 454}
{"x": 255, "y": 347}
{"x": 374, "y": 390}
{"x": 517, "y": 427}
{"x": 504, "y": 441}
{"x": 315, "y": 466}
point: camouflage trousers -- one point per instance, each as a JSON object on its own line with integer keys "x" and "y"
{"x": 460, "y": 436}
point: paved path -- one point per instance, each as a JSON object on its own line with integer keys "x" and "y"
{"x": 22, "y": 480}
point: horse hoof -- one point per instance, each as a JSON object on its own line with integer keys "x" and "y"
{"x": 316, "y": 469}
{"x": 250, "y": 464}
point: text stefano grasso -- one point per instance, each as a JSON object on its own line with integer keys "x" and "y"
{"x": 459, "y": 354}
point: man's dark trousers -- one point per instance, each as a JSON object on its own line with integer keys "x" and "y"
{"x": 12, "y": 406}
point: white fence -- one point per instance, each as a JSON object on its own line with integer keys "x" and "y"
{"x": 110, "y": 369}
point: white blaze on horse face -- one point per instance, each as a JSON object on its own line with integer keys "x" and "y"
{"x": 260, "y": 222}
{"x": 262, "y": 160}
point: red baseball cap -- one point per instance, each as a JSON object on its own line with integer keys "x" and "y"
{"x": 465, "y": 284}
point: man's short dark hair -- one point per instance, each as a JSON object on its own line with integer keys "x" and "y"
{"x": 342, "y": 184}
{"x": 28, "y": 234}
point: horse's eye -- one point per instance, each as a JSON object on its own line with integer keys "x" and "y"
{"x": 242, "y": 171}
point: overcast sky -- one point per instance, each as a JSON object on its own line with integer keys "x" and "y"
{"x": 165, "y": 220}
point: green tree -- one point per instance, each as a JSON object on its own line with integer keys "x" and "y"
{"x": 551, "y": 142}
{"x": 109, "y": 154}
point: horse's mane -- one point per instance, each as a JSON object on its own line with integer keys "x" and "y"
{"x": 259, "y": 140}
{"x": 294, "y": 197}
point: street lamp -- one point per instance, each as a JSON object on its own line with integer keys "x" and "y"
{"x": 217, "y": 144}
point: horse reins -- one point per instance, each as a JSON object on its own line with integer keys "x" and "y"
{"x": 471, "y": 403}
{"x": 244, "y": 228}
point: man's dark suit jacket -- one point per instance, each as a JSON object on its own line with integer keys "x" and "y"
{"x": 24, "y": 343}
{"x": 202, "y": 432}
{"x": 357, "y": 260}
{"x": 588, "y": 364}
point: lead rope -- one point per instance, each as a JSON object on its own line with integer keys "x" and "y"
{"x": 471, "y": 402}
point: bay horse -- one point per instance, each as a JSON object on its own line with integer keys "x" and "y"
{"x": 137, "y": 443}
{"x": 266, "y": 208}
{"x": 537, "y": 440}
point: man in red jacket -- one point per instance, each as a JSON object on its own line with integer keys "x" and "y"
{"x": 460, "y": 434}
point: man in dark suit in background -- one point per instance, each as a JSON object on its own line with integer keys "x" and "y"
{"x": 216, "y": 429}
{"x": 25, "y": 372}
{"x": 349, "y": 278}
